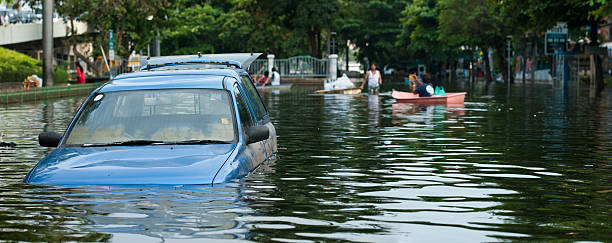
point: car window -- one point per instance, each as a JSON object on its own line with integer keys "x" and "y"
{"x": 261, "y": 108}
{"x": 169, "y": 115}
{"x": 245, "y": 116}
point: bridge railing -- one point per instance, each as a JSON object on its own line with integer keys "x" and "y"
{"x": 299, "y": 66}
{"x": 260, "y": 65}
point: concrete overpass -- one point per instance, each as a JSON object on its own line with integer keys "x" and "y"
{"x": 28, "y": 37}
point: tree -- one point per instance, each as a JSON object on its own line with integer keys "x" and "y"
{"x": 134, "y": 22}
{"x": 310, "y": 17}
{"x": 420, "y": 34}
{"x": 373, "y": 27}
{"x": 475, "y": 24}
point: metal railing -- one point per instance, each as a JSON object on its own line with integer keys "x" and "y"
{"x": 299, "y": 66}
{"x": 258, "y": 65}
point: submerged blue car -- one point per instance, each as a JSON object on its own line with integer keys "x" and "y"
{"x": 182, "y": 120}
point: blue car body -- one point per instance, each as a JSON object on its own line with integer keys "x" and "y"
{"x": 175, "y": 164}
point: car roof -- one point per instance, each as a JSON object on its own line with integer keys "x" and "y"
{"x": 239, "y": 60}
{"x": 172, "y": 79}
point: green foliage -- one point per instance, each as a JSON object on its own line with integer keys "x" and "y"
{"x": 284, "y": 28}
{"x": 474, "y": 23}
{"x": 193, "y": 30}
{"x": 60, "y": 75}
{"x": 420, "y": 32}
{"x": 387, "y": 31}
{"x": 15, "y": 66}
{"x": 373, "y": 27}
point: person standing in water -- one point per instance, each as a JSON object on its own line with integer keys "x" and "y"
{"x": 373, "y": 78}
{"x": 274, "y": 78}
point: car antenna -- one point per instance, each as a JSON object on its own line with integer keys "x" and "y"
{"x": 199, "y": 55}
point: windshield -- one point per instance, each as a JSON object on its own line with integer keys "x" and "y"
{"x": 158, "y": 116}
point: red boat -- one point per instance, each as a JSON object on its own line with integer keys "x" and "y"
{"x": 450, "y": 98}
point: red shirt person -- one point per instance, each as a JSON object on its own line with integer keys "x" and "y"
{"x": 80, "y": 75}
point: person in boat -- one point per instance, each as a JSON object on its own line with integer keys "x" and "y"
{"x": 373, "y": 79}
{"x": 261, "y": 81}
{"x": 257, "y": 80}
{"x": 425, "y": 88}
{"x": 274, "y": 78}
{"x": 413, "y": 78}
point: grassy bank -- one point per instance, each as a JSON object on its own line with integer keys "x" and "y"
{"x": 15, "y": 67}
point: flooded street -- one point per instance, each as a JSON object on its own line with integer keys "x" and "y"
{"x": 534, "y": 165}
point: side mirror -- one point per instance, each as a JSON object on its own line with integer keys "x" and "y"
{"x": 257, "y": 134}
{"x": 49, "y": 139}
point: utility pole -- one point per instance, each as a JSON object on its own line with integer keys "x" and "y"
{"x": 47, "y": 42}
{"x": 156, "y": 45}
{"x": 348, "y": 52}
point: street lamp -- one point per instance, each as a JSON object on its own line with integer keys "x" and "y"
{"x": 156, "y": 44}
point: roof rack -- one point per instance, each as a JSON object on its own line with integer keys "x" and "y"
{"x": 238, "y": 60}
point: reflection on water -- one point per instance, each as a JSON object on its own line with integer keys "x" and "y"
{"x": 532, "y": 165}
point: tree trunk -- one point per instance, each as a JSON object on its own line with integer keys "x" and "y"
{"x": 504, "y": 63}
{"x": 312, "y": 41}
{"x": 453, "y": 74}
{"x": 73, "y": 42}
{"x": 524, "y": 61}
{"x": 488, "y": 76}
{"x": 593, "y": 23}
{"x": 328, "y": 42}
{"x": 88, "y": 61}
{"x": 534, "y": 58}
{"x": 318, "y": 43}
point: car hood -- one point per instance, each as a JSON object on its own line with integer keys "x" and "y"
{"x": 157, "y": 164}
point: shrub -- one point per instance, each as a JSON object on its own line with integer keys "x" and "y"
{"x": 15, "y": 66}
{"x": 60, "y": 75}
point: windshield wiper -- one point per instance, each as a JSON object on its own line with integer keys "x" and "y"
{"x": 201, "y": 141}
{"x": 124, "y": 143}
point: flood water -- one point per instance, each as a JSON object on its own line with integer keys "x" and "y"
{"x": 530, "y": 164}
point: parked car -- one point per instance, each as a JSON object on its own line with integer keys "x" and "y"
{"x": 184, "y": 120}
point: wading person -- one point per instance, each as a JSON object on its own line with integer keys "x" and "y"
{"x": 274, "y": 78}
{"x": 373, "y": 79}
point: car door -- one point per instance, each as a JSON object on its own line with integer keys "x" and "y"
{"x": 261, "y": 113}
{"x": 256, "y": 152}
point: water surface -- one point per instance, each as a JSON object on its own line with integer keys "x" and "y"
{"x": 529, "y": 164}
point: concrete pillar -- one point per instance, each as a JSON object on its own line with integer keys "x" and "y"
{"x": 333, "y": 67}
{"x": 47, "y": 42}
{"x": 156, "y": 45}
{"x": 270, "y": 63}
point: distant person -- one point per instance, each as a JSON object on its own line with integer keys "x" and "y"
{"x": 261, "y": 81}
{"x": 80, "y": 74}
{"x": 414, "y": 81}
{"x": 425, "y": 89}
{"x": 274, "y": 78}
{"x": 5, "y": 19}
{"x": 257, "y": 78}
{"x": 373, "y": 79}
